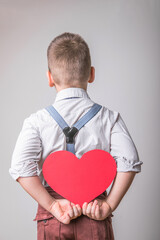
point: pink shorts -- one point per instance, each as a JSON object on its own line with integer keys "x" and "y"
{"x": 81, "y": 228}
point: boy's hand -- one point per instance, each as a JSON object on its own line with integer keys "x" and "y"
{"x": 64, "y": 210}
{"x": 97, "y": 209}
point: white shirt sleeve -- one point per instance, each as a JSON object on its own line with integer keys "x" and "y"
{"x": 27, "y": 151}
{"x": 123, "y": 149}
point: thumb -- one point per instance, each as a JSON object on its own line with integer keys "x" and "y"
{"x": 58, "y": 210}
{"x": 66, "y": 219}
{"x": 61, "y": 216}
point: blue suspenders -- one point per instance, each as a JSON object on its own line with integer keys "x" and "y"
{"x": 70, "y": 133}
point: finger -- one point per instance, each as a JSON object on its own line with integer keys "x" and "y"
{"x": 93, "y": 209}
{"x": 95, "y": 201}
{"x": 84, "y": 207}
{"x": 97, "y": 212}
{"x": 79, "y": 209}
{"x": 88, "y": 210}
{"x": 72, "y": 204}
{"x": 75, "y": 211}
{"x": 70, "y": 211}
{"x": 99, "y": 202}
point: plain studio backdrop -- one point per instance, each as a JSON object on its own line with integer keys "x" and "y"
{"x": 124, "y": 38}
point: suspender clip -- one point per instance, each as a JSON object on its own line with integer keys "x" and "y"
{"x": 70, "y": 134}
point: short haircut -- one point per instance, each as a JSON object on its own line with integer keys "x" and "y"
{"x": 69, "y": 59}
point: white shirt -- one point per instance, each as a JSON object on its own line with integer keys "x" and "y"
{"x": 41, "y": 135}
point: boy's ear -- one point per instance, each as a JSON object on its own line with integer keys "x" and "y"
{"x": 92, "y": 75}
{"x": 50, "y": 79}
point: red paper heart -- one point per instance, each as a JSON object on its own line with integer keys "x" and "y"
{"x": 79, "y": 180}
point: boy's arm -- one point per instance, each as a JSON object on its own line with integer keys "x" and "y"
{"x": 34, "y": 187}
{"x": 62, "y": 209}
{"x": 119, "y": 188}
{"x": 125, "y": 153}
{"x": 100, "y": 209}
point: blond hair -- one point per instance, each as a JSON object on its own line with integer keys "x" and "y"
{"x": 69, "y": 59}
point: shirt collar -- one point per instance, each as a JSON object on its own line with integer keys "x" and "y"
{"x": 71, "y": 92}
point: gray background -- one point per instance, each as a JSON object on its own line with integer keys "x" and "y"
{"x": 124, "y": 38}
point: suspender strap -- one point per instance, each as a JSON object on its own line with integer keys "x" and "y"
{"x": 70, "y": 133}
{"x": 90, "y": 114}
{"x": 71, "y": 147}
{"x": 57, "y": 117}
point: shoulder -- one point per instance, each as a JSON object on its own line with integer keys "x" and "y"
{"x": 110, "y": 115}
{"x": 35, "y": 119}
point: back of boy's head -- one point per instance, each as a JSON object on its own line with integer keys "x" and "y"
{"x": 69, "y": 59}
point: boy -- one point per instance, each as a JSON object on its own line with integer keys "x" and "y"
{"x": 70, "y": 71}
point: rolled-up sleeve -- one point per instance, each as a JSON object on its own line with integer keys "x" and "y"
{"x": 123, "y": 149}
{"x": 27, "y": 151}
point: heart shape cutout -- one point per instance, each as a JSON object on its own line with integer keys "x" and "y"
{"x": 79, "y": 180}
